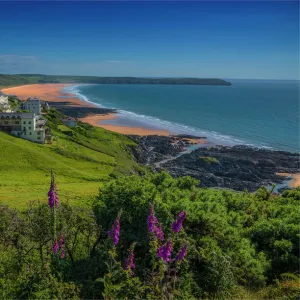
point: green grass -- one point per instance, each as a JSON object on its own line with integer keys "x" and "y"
{"x": 209, "y": 160}
{"x": 81, "y": 162}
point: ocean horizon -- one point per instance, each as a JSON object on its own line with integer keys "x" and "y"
{"x": 258, "y": 113}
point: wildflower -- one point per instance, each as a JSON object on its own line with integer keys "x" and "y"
{"x": 176, "y": 226}
{"x": 129, "y": 262}
{"x": 58, "y": 246}
{"x": 61, "y": 244}
{"x": 55, "y": 247}
{"x": 152, "y": 220}
{"x": 62, "y": 255}
{"x": 181, "y": 254}
{"x": 53, "y": 193}
{"x": 158, "y": 232}
{"x": 115, "y": 231}
{"x": 164, "y": 252}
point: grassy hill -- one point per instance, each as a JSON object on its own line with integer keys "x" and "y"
{"x": 82, "y": 159}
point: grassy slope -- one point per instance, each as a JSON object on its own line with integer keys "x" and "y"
{"x": 81, "y": 163}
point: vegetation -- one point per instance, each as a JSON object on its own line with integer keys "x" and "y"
{"x": 239, "y": 245}
{"x": 83, "y": 158}
{"x": 209, "y": 160}
{"x": 19, "y": 79}
{"x": 113, "y": 230}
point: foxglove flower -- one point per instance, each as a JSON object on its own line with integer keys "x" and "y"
{"x": 62, "y": 255}
{"x": 129, "y": 262}
{"x": 181, "y": 254}
{"x": 58, "y": 246}
{"x": 164, "y": 252}
{"x": 152, "y": 220}
{"x": 55, "y": 247}
{"x": 115, "y": 231}
{"x": 158, "y": 232}
{"x": 53, "y": 193}
{"x": 61, "y": 244}
{"x": 176, "y": 226}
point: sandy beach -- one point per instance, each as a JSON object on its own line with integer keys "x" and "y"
{"x": 295, "y": 182}
{"x": 55, "y": 93}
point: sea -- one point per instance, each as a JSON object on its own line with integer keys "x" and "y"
{"x": 259, "y": 113}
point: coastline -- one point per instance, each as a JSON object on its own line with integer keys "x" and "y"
{"x": 74, "y": 105}
{"x": 54, "y": 92}
{"x": 295, "y": 179}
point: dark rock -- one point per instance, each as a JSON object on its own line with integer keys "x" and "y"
{"x": 188, "y": 136}
{"x": 79, "y": 111}
{"x": 238, "y": 167}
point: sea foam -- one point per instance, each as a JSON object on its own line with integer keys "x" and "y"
{"x": 160, "y": 124}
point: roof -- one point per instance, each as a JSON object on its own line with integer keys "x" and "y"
{"x": 41, "y": 121}
{"x": 33, "y": 100}
{"x": 16, "y": 115}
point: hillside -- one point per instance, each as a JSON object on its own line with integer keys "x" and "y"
{"x": 82, "y": 158}
{"x": 19, "y": 79}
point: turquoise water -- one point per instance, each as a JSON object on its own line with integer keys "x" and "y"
{"x": 259, "y": 113}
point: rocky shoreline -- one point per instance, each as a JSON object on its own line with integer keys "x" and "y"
{"x": 237, "y": 167}
{"x": 67, "y": 108}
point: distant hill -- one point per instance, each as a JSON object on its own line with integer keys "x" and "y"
{"x": 19, "y": 79}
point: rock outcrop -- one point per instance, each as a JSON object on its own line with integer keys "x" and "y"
{"x": 237, "y": 167}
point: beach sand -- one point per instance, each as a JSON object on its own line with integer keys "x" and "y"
{"x": 95, "y": 120}
{"x": 55, "y": 93}
{"x": 47, "y": 92}
{"x": 295, "y": 182}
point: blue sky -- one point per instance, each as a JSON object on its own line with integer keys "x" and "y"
{"x": 258, "y": 40}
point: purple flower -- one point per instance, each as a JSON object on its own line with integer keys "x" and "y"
{"x": 55, "y": 247}
{"x": 129, "y": 262}
{"x": 58, "y": 246}
{"x": 115, "y": 231}
{"x": 159, "y": 233}
{"x": 53, "y": 193}
{"x": 181, "y": 254}
{"x": 164, "y": 252}
{"x": 62, "y": 255}
{"x": 176, "y": 226}
{"x": 152, "y": 220}
{"x": 152, "y": 224}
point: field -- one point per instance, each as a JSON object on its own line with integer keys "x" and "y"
{"x": 82, "y": 159}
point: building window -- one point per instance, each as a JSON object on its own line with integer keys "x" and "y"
{"x": 24, "y": 133}
{"x": 39, "y": 133}
{"x": 38, "y": 137}
{"x": 5, "y": 122}
{"x": 17, "y": 122}
{"x": 29, "y": 127}
{"x": 24, "y": 122}
{"x": 29, "y": 122}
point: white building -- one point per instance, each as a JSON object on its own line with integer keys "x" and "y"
{"x": 4, "y": 104}
{"x": 28, "y": 126}
{"x": 33, "y": 104}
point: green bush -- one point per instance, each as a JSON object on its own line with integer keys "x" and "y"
{"x": 239, "y": 245}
